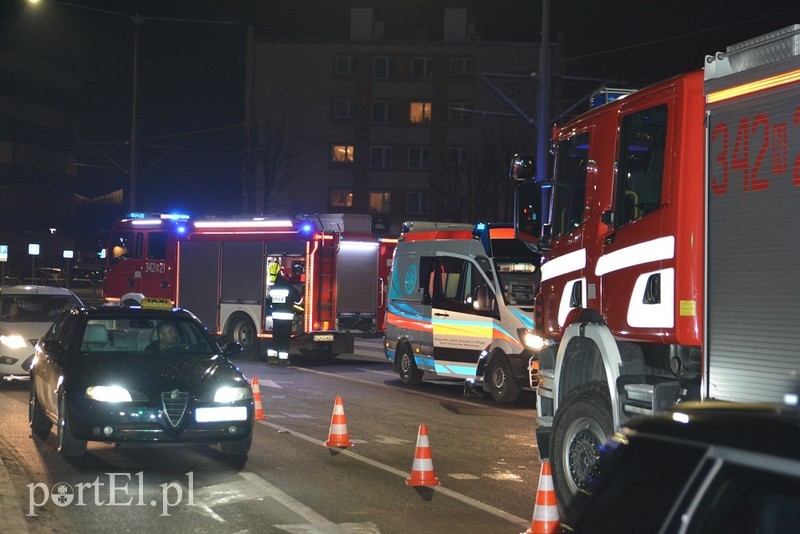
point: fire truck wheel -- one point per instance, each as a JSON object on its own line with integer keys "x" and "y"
{"x": 501, "y": 380}
{"x": 243, "y": 331}
{"x": 581, "y": 425}
{"x": 406, "y": 366}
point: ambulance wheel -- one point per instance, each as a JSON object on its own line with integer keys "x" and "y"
{"x": 244, "y": 332}
{"x": 501, "y": 380}
{"x": 407, "y": 367}
{"x": 581, "y": 426}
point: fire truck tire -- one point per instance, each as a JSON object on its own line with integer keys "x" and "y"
{"x": 407, "y": 367}
{"x": 582, "y": 424}
{"x": 243, "y": 331}
{"x": 501, "y": 380}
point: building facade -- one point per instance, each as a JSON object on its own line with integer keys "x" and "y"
{"x": 402, "y": 130}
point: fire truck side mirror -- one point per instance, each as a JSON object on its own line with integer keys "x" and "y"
{"x": 523, "y": 168}
{"x": 528, "y": 212}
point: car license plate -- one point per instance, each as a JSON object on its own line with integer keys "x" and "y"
{"x": 323, "y": 337}
{"x": 279, "y": 299}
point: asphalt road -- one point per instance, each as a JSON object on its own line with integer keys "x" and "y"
{"x": 483, "y": 453}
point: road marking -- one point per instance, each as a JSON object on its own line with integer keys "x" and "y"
{"x": 270, "y": 384}
{"x": 384, "y": 373}
{"x": 475, "y": 503}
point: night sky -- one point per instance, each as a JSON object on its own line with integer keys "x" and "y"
{"x": 191, "y": 74}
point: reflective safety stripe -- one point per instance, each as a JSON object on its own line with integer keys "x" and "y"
{"x": 285, "y": 316}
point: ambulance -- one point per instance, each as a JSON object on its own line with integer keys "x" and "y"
{"x": 460, "y": 306}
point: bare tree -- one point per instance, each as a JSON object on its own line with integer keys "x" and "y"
{"x": 268, "y": 170}
{"x": 479, "y": 189}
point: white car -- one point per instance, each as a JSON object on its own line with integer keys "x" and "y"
{"x": 26, "y": 312}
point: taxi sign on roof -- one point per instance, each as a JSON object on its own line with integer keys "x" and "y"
{"x": 161, "y": 304}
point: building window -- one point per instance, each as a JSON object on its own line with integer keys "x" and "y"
{"x": 417, "y": 202}
{"x": 382, "y": 112}
{"x": 344, "y": 109}
{"x": 342, "y": 154}
{"x": 341, "y": 198}
{"x": 380, "y": 157}
{"x": 460, "y": 65}
{"x": 420, "y": 113}
{"x": 345, "y": 64}
{"x": 380, "y": 202}
{"x": 422, "y": 68}
{"x": 459, "y": 111}
{"x": 383, "y": 68}
{"x": 457, "y": 156}
{"x": 419, "y": 157}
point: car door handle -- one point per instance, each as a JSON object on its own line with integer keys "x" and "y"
{"x": 610, "y": 239}
{"x": 442, "y": 314}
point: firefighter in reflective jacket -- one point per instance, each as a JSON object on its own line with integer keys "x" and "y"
{"x": 283, "y": 297}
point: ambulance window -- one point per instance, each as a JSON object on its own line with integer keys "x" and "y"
{"x": 570, "y": 187}
{"x": 457, "y": 279}
{"x": 640, "y": 164}
{"x": 157, "y": 245}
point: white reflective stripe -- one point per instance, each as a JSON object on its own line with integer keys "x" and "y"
{"x": 661, "y": 315}
{"x": 272, "y": 352}
{"x": 286, "y": 316}
{"x": 279, "y": 292}
{"x": 283, "y": 355}
{"x": 574, "y": 261}
{"x": 662, "y": 248}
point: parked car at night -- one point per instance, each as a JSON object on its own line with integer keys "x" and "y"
{"x": 701, "y": 467}
{"x": 138, "y": 376}
{"x": 26, "y": 312}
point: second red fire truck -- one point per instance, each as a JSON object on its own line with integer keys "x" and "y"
{"x": 670, "y": 252}
{"x": 218, "y": 269}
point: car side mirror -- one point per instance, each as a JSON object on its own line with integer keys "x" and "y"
{"x": 483, "y": 299}
{"x": 232, "y": 349}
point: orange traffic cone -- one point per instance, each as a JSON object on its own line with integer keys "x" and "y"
{"x": 422, "y": 468}
{"x": 259, "y": 416}
{"x": 337, "y": 435}
{"x": 545, "y": 511}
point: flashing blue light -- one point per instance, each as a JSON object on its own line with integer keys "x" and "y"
{"x": 136, "y": 215}
{"x": 175, "y": 217}
{"x": 480, "y": 226}
{"x": 307, "y": 228}
{"x": 181, "y": 229}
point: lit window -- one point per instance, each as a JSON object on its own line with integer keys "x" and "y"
{"x": 382, "y": 112}
{"x": 380, "y": 202}
{"x": 341, "y": 198}
{"x": 419, "y": 157}
{"x": 417, "y": 202}
{"x": 380, "y": 157}
{"x": 342, "y": 154}
{"x": 420, "y": 113}
{"x": 344, "y": 64}
{"x": 344, "y": 109}
{"x": 383, "y": 68}
{"x": 422, "y": 68}
{"x": 460, "y": 65}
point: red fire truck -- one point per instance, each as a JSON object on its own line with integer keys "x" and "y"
{"x": 670, "y": 251}
{"x": 218, "y": 270}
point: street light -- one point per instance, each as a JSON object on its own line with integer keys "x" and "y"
{"x": 137, "y": 21}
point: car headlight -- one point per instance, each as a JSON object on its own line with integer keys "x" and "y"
{"x": 232, "y": 394}
{"x": 531, "y": 340}
{"x": 14, "y": 341}
{"x": 108, "y": 394}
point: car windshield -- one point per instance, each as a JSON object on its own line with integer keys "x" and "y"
{"x": 35, "y": 308}
{"x": 518, "y": 280}
{"x": 145, "y": 335}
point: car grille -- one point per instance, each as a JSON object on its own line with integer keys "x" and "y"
{"x": 174, "y": 403}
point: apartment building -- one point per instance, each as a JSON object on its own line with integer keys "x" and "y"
{"x": 411, "y": 129}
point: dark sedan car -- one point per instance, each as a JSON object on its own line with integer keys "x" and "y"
{"x": 136, "y": 375}
{"x": 700, "y": 468}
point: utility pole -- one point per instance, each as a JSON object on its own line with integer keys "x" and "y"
{"x": 542, "y": 120}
